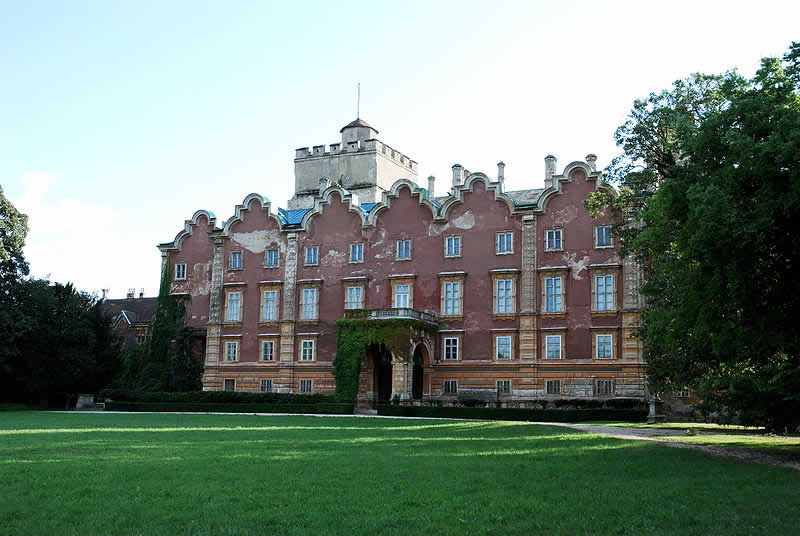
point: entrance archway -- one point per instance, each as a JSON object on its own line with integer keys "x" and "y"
{"x": 418, "y": 371}
{"x": 382, "y": 380}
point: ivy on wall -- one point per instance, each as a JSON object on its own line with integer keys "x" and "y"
{"x": 356, "y": 335}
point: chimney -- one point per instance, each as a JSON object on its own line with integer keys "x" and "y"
{"x": 549, "y": 170}
{"x": 131, "y": 293}
{"x": 458, "y": 175}
{"x": 501, "y": 172}
{"x": 591, "y": 159}
{"x": 141, "y": 293}
{"x": 105, "y": 292}
{"x": 431, "y": 181}
{"x": 323, "y": 184}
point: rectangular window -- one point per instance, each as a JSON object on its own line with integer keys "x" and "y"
{"x": 266, "y": 386}
{"x": 604, "y": 388}
{"x": 180, "y": 271}
{"x": 602, "y": 237}
{"x": 401, "y": 296}
{"x": 503, "y": 387}
{"x": 604, "y": 292}
{"x": 269, "y": 306}
{"x": 267, "y": 350}
{"x": 452, "y": 246}
{"x": 353, "y": 298}
{"x": 305, "y": 386}
{"x": 312, "y": 255}
{"x": 356, "y": 252}
{"x": 452, "y": 298}
{"x": 504, "y": 304}
{"x": 308, "y": 306}
{"x": 683, "y": 394}
{"x": 231, "y": 351}
{"x": 450, "y": 387}
{"x": 553, "y": 387}
{"x": 451, "y": 348}
{"x": 503, "y": 347}
{"x": 307, "y": 350}
{"x": 604, "y": 345}
{"x": 552, "y": 346}
{"x": 271, "y": 258}
{"x": 552, "y": 294}
{"x": 230, "y": 385}
{"x": 554, "y": 240}
{"x": 403, "y": 249}
{"x": 505, "y": 243}
{"x": 235, "y": 261}
{"x": 234, "y": 307}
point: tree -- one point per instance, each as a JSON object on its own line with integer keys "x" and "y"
{"x": 710, "y": 200}
{"x": 13, "y": 229}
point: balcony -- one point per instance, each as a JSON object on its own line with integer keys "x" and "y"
{"x": 391, "y": 312}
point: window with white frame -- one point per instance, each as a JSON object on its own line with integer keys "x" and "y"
{"x": 266, "y": 386}
{"x": 452, "y": 298}
{"x": 309, "y": 303}
{"x": 554, "y": 239}
{"x": 403, "y": 249}
{"x": 269, "y": 306}
{"x": 553, "y": 387}
{"x": 267, "y": 350}
{"x": 233, "y": 307}
{"x": 307, "y": 350}
{"x": 305, "y": 386}
{"x": 552, "y": 295}
{"x": 450, "y": 387}
{"x": 180, "y": 271}
{"x": 235, "y": 260}
{"x": 503, "y": 387}
{"x": 450, "y": 348}
{"x": 231, "y": 350}
{"x": 604, "y": 344}
{"x": 271, "y": 257}
{"x": 502, "y": 346}
{"x": 602, "y": 236}
{"x": 312, "y": 255}
{"x": 604, "y": 388}
{"x": 685, "y": 393}
{"x": 505, "y": 243}
{"x": 356, "y": 252}
{"x": 552, "y": 345}
{"x": 354, "y": 298}
{"x": 402, "y": 294}
{"x": 230, "y": 385}
{"x": 452, "y": 246}
{"x": 504, "y": 296}
{"x": 604, "y": 292}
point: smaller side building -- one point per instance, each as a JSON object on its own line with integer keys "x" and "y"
{"x": 131, "y": 318}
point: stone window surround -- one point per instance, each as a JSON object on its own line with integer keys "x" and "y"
{"x": 604, "y": 330}
{"x": 267, "y": 286}
{"x": 269, "y": 337}
{"x": 301, "y": 382}
{"x": 241, "y": 260}
{"x": 350, "y": 253}
{"x": 302, "y": 285}
{"x": 546, "y": 382}
{"x": 611, "y": 237}
{"x": 511, "y": 335}
{"x": 546, "y": 248}
{"x": 183, "y": 277}
{"x": 225, "y": 384}
{"x": 452, "y": 391}
{"x": 451, "y": 277}
{"x": 602, "y": 270}
{"x": 265, "y": 384}
{"x": 306, "y": 337}
{"x": 497, "y": 242}
{"x": 397, "y": 248}
{"x": 402, "y": 279}
{"x": 228, "y": 289}
{"x": 597, "y": 387}
{"x": 551, "y": 272}
{"x": 503, "y": 392}
{"x": 460, "y": 246}
{"x": 347, "y": 287}
{"x": 547, "y": 332}
{"x": 305, "y": 255}
{"x": 504, "y": 274}
{"x": 225, "y": 340}
{"x": 452, "y": 334}
{"x": 266, "y": 253}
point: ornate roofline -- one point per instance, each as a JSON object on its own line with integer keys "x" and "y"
{"x": 325, "y": 199}
{"x": 386, "y": 200}
{"x": 237, "y": 217}
{"x": 187, "y": 230}
{"x": 458, "y": 197}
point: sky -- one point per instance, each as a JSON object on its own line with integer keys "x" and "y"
{"x": 118, "y": 120}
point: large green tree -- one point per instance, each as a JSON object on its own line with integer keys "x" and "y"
{"x": 710, "y": 206}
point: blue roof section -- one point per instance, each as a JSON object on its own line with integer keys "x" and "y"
{"x": 292, "y": 217}
{"x": 367, "y": 207}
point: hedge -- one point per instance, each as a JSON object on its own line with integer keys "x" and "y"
{"x": 230, "y": 397}
{"x": 516, "y": 414}
{"x": 322, "y": 407}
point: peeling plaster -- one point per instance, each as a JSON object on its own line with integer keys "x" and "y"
{"x": 466, "y": 221}
{"x": 565, "y": 215}
{"x": 201, "y": 278}
{"x": 576, "y": 266}
{"x": 335, "y": 258}
{"x": 258, "y": 241}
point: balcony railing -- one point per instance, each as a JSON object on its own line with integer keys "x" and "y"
{"x": 391, "y": 312}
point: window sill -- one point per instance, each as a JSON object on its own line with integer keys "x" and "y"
{"x": 604, "y": 247}
{"x": 553, "y": 250}
{"x": 562, "y": 314}
{"x": 235, "y": 269}
{"x": 504, "y": 253}
{"x": 613, "y": 312}
{"x": 311, "y": 264}
{"x": 232, "y": 324}
{"x": 270, "y": 267}
{"x": 309, "y": 321}
{"x": 452, "y": 256}
{"x": 504, "y": 316}
{"x": 268, "y": 323}
{"x": 452, "y": 317}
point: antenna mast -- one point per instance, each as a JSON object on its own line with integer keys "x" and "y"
{"x": 358, "y": 102}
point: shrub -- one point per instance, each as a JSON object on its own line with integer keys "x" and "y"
{"x": 231, "y": 397}
{"x": 516, "y": 414}
{"x": 321, "y": 407}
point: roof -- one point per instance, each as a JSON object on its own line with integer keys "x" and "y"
{"x": 292, "y": 217}
{"x": 358, "y": 123}
{"x": 135, "y": 309}
{"x": 525, "y": 197}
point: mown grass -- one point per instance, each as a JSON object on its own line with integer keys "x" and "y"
{"x": 698, "y": 426}
{"x": 760, "y": 442}
{"x": 221, "y": 474}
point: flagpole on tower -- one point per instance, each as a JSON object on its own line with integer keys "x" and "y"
{"x": 358, "y": 102}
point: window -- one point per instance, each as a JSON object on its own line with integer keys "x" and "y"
{"x": 232, "y": 351}
{"x": 552, "y": 295}
{"x": 450, "y": 387}
{"x": 554, "y": 240}
{"x": 356, "y": 252}
{"x": 180, "y": 271}
{"x": 233, "y": 309}
{"x": 504, "y": 303}
{"x": 553, "y": 387}
{"x": 552, "y": 346}
{"x": 307, "y": 350}
{"x": 403, "y": 249}
{"x": 685, "y": 393}
{"x": 308, "y": 306}
{"x": 505, "y": 243}
{"x": 305, "y": 386}
{"x": 271, "y": 258}
{"x": 602, "y": 236}
{"x": 353, "y": 298}
{"x": 269, "y": 306}
{"x": 604, "y": 293}
{"x": 266, "y": 386}
{"x": 267, "y": 350}
{"x": 235, "y": 260}
{"x": 605, "y": 346}
{"x": 450, "y": 348}
{"x": 452, "y": 298}
{"x": 312, "y": 255}
{"x": 503, "y": 347}
{"x": 230, "y": 385}
{"x": 401, "y": 296}
{"x": 503, "y": 387}
{"x": 140, "y": 338}
{"x": 605, "y": 388}
{"x": 452, "y": 246}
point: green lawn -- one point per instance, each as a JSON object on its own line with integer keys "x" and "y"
{"x": 90, "y": 474}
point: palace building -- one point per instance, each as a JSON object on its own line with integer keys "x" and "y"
{"x": 527, "y": 292}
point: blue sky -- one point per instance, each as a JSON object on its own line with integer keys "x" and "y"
{"x": 120, "y": 119}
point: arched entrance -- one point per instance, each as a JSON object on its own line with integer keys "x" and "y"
{"x": 418, "y": 371}
{"x": 382, "y": 379}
